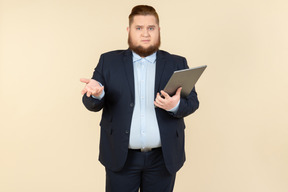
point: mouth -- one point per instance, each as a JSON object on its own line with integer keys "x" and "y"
{"x": 145, "y": 41}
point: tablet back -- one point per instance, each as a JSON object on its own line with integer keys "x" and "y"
{"x": 185, "y": 78}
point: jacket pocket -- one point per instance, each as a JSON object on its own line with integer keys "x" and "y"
{"x": 107, "y": 126}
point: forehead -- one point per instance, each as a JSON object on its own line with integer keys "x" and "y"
{"x": 144, "y": 20}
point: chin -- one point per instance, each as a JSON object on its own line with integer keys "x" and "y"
{"x": 145, "y": 46}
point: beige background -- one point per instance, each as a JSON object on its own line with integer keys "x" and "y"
{"x": 236, "y": 142}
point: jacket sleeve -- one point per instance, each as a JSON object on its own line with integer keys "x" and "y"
{"x": 91, "y": 103}
{"x": 189, "y": 104}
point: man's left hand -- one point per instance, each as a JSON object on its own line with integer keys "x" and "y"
{"x": 164, "y": 101}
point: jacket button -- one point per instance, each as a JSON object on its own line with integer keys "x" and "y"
{"x": 127, "y": 131}
{"x": 131, "y": 104}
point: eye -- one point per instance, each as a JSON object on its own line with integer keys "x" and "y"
{"x": 138, "y": 28}
{"x": 151, "y": 28}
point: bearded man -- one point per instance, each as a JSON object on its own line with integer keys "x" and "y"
{"x": 142, "y": 127}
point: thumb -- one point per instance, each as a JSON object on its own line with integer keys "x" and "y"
{"x": 178, "y": 92}
{"x": 84, "y": 80}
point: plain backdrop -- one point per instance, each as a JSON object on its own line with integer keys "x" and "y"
{"x": 236, "y": 142}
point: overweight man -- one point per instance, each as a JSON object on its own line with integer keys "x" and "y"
{"x": 142, "y": 127}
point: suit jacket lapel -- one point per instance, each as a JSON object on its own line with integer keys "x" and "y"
{"x": 160, "y": 65}
{"x": 129, "y": 70}
{"x": 128, "y": 67}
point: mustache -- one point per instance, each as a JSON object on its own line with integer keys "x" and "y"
{"x": 141, "y": 51}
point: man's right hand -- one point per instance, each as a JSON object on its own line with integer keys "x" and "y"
{"x": 92, "y": 87}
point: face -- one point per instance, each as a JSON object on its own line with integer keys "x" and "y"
{"x": 144, "y": 35}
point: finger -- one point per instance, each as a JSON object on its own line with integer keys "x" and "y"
{"x": 88, "y": 93}
{"x": 164, "y": 94}
{"x": 178, "y": 92}
{"x": 156, "y": 104}
{"x": 158, "y": 98}
{"x": 84, "y": 80}
{"x": 159, "y": 105}
{"x": 83, "y": 91}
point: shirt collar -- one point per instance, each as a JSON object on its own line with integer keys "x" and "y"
{"x": 150, "y": 58}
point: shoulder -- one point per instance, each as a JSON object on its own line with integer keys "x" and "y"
{"x": 179, "y": 61}
{"x": 112, "y": 59}
{"x": 166, "y": 54}
{"x": 116, "y": 53}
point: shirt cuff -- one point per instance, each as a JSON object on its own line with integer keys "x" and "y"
{"x": 102, "y": 94}
{"x": 175, "y": 109}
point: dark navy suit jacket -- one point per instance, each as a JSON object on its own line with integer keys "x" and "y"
{"x": 115, "y": 72}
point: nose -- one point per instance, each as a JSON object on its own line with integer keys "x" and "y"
{"x": 145, "y": 33}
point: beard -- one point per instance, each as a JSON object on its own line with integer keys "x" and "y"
{"x": 141, "y": 51}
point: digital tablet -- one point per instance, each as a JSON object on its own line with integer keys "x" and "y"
{"x": 185, "y": 78}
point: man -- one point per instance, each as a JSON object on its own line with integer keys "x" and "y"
{"x": 142, "y": 127}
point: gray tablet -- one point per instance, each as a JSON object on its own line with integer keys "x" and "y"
{"x": 185, "y": 78}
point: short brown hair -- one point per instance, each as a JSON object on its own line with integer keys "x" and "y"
{"x": 143, "y": 10}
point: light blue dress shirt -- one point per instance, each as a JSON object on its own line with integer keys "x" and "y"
{"x": 144, "y": 132}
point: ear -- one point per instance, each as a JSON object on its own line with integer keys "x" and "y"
{"x": 128, "y": 29}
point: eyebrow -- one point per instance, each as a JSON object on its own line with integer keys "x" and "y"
{"x": 143, "y": 26}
